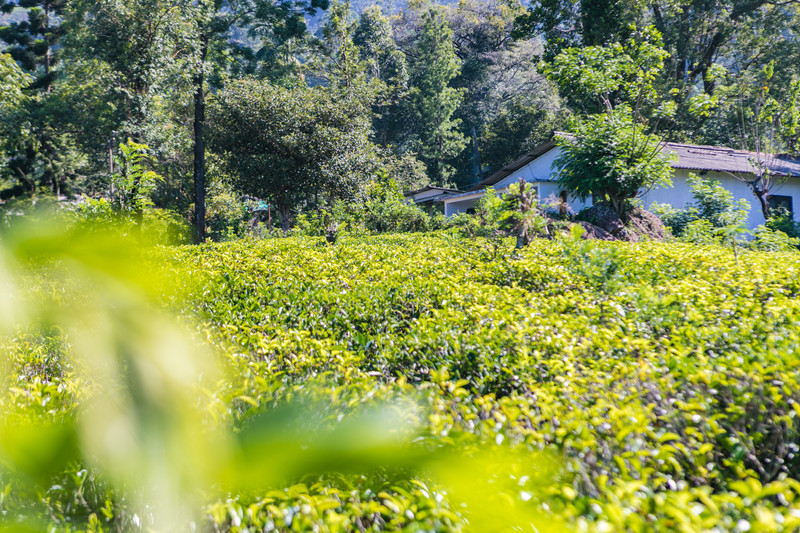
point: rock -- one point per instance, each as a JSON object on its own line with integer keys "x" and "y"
{"x": 646, "y": 225}
{"x": 637, "y": 224}
{"x": 594, "y": 232}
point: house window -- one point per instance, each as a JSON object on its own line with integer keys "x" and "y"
{"x": 777, "y": 201}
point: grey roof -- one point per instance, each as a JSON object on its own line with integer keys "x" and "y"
{"x": 515, "y": 165}
{"x": 690, "y": 156}
{"x": 720, "y": 159}
{"x": 429, "y": 188}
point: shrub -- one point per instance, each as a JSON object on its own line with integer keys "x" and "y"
{"x": 384, "y": 210}
{"x": 782, "y": 220}
{"x": 661, "y": 380}
{"x": 768, "y": 240}
{"x": 713, "y": 204}
{"x": 227, "y": 215}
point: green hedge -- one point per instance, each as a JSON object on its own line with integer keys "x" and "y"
{"x": 663, "y": 379}
{"x": 666, "y": 376}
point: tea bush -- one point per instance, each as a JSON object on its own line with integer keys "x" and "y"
{"x": 662, "y": 379}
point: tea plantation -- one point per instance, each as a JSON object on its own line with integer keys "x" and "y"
{"x": 622, "y": 387}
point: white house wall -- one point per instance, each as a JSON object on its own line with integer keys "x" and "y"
{"x": 540, "y": 173}
{"x": 680, "y": 194}
{"x": 547, "y": 191}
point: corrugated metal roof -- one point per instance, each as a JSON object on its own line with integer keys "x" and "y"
{"x": 515, "y": 165}
{"x": 690, "y": 157}
{"x": 720, "y": 159}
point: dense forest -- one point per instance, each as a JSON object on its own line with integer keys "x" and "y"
{"x": 210, "y": 109}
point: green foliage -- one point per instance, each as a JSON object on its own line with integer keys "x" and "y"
{"x": 769, "y": 240}
{"x": 383, "y": 210}
{"x": 33, "y": 42}
{"x": 226, "y": 214}
{"x": 519, "y": 127}
{"x": 12, "y": 81}
{"x": 522, "y": 216}
{"x": 341, "y": 64}
{"x": 782, "y": 220}
{"x": 611, "y": 155}
{"x": 133, "y": 186}
{"x": 660, "y": 382}
{"x": 432, "y": 100}
{"x": 599, "y": 78}
{"x": 662, "y": 378}
{"x": 588, "y": 23}
{"x": 713, "y": 205}
{"x": 290, "y": 145}
{"x": 387, "y": 65}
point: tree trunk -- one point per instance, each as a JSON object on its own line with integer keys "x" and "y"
{"x": 47, "y": 53}
{"x": 285, "y": 211}
{"x": 763, "y": 199}
{"x": 199, "y": 146}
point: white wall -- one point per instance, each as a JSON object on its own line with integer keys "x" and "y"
{"x": 547, "y": 191}
{"x": 680, "y": 194}
{"x": 539, "y": 172}
{"x": 540, "y": 169}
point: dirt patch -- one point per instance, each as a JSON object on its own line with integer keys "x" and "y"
{"x": 636, "y": 225}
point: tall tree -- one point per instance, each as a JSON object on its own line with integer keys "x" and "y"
{"x": 269, "y": 20}
{"x": 12, "y": 82}
{"x": 338, "y": 60}
{"x": 570, "y": 23}
{"x": 433, "y": 100}
{"x": 498, "y": 72}
{"x": 700, "y": 33}
{"x": 386, "y": 64}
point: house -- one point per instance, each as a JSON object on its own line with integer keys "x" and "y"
{"x": 726, "y": 165}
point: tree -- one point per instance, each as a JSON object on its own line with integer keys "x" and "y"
{"x": 699, "y": 34}
{"x": 611, "y": 156}
{"x": 32, "y": 42}
{"x": 289, "y": 145}
{"x": 387, "y": 64}
{"x": 432, "y": 100}
{"x": 598, "y": 78}
{"x": 272, "y": 21}
{"x": 45, "y": 154}
{"x": 764, "y": 126}
{"x": 498, "y": 72}
{"x": 12, "y": 82}
{"x": 569, "y": 24}
{"x": 339, "y": 62}
{"x": 520, "y": 126}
